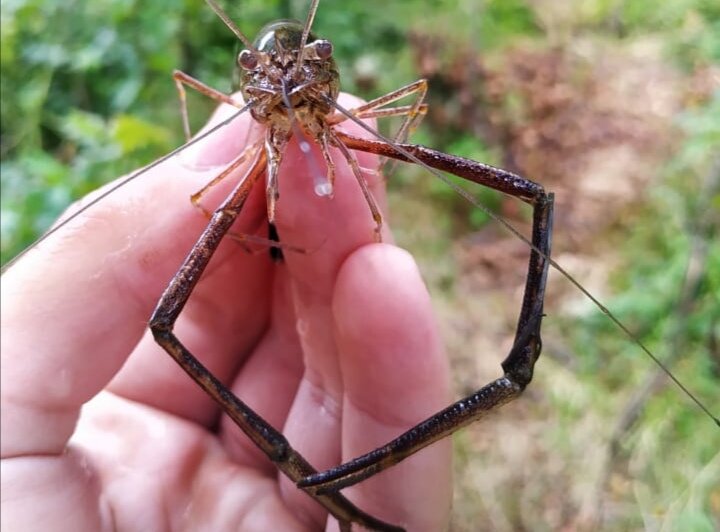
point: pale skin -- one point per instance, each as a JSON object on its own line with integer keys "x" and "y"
{"x": 337, "y": 347}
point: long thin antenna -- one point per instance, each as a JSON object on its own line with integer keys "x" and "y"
{"x": 230, "y": 24}
{"x": 306, "y": 32}
{"x": 470, "y": 198}
{"x": 124, "y": 182}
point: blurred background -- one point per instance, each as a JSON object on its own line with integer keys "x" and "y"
{"x": 614, "y": 105}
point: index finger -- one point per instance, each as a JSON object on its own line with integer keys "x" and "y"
{"x": 76, "y": 305}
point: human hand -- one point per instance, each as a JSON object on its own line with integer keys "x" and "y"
{"x": 336, "y": 347}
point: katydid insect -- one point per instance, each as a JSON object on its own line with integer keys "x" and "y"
{"x": 271, "y": 98}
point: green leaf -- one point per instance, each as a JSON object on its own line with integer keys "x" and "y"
{"x": 133, "y": 133}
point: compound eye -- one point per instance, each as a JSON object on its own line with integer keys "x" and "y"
{"x": 247, "y": 60}
{"x": 323, "y": 49}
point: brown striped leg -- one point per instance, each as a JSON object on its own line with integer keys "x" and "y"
{"x": 162, "y": 322}
{"x": 519, "y": 364}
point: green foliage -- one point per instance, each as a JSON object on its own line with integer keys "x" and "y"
{"x": 677, "y": 322}
{"x": 501, "y": 21}
{"x": 78, "y": 79}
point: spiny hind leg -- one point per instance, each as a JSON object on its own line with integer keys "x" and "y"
{"x": 519, "y": 364}
{"x": 162, "y": 323}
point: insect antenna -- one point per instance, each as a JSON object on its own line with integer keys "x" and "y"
{"x": 230, "y": 24}
{"x": 305, "y": 33}
{"x": 502, "y": 221}
{"x": 124, "y": 182}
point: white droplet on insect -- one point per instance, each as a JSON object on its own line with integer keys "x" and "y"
{"x": 304, "y": 146}
{"x": 323, "y": 187}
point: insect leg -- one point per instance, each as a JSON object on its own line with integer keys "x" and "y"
{"x": 197, "y": 196}
{"x": 162, "y": 322}
{"x": 372, "y": 108}
{"x": 324, "y": 148}
{"x": 274, "y": 148}
{"x": 518, "y": 366}
{"x": 400, "y": 110}
{"x": 413, "y": 113}
{"x": 350, "y": 158}
{"x": 182, "y": 79}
